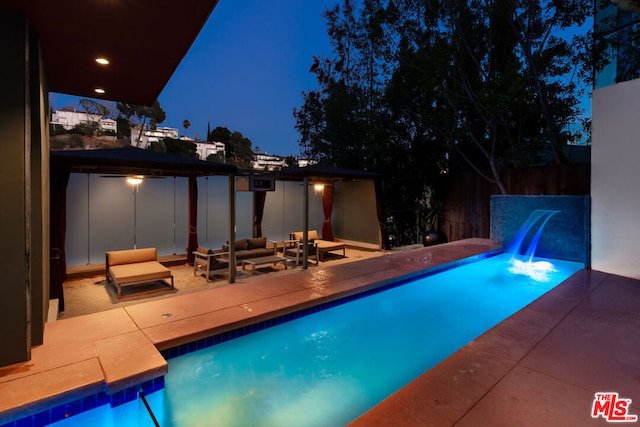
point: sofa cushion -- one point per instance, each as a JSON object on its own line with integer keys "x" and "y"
{"x": 204, "y": 251}
{"x": 253, "y": 253}
{"x": 313, "y": 235}
{"x": 244, "y": 254}
{"x": 130, "y": 256}
{"x": 257, "y": 243}
{"x": 139, "y": 272}
{"x": 242, "y": 244}
{"x": 259, "y": 252}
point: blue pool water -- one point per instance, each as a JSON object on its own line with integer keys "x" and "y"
{"x": 329, "y": 367}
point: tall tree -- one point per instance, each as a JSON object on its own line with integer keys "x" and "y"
{"x": 237, "y": 146}
{"x": 616, "y": 40}
{"x": 90, "y": 106}
{"x": 239, "y": 151}
{"x": 343, "y": 121}
{"x": 348, "y": 120}
{"x": 416, "y": 88}
{"x": 95, "y": 111}
{"x": 186, "y": 124}
{"x": 180, "y": 148}
{"x": 219, "y": 134}
{"x": 505, "y": 92}
{"x": 154, "y": 113}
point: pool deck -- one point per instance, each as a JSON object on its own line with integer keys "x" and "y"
{"x": 542, "y": 366}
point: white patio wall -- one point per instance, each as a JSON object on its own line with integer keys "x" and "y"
{"x": 354, "y": 217}
{"x": 283, "y": 211}
{"x": 104, "y": 214}
{"x": 615, "y": 179}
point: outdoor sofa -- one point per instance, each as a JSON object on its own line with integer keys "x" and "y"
{"x": 135, "y": 266}
{"x": 253, "y": 248}
{"x": 208, "y": 260}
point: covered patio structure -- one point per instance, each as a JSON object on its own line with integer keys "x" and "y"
{"x": 126, "y": 162}
{"x": 326, "y": 176}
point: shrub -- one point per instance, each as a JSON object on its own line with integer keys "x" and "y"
{"x": 86, "y": 128}
{"x": 75, "y": 141}
{"x": 55, "y": 130}
{"x": 57, "y": 144}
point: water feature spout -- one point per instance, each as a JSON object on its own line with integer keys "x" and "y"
{"x": 538, "y": 216}
{"x": 536, "y": 270}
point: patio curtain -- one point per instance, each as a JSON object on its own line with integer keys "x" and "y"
{"x": 327, "y": 207}
{"x": 58, "y": 219}
{"x": 379, "y": 190}
{"x": 192, "y": 244}
{"x": 259, "y": 197}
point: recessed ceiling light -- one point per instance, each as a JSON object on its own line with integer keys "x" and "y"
{"x": 100, "y": 90}
{"x": 102, "y": 61}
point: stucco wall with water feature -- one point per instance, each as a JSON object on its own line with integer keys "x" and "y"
{"x": 566, "y": 234}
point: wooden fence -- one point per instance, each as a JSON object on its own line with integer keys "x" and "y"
{"x": 468, "y": 201}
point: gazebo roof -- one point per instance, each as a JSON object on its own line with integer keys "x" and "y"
{"x": 135, "y": 161}
{"x": 319, "y": 171}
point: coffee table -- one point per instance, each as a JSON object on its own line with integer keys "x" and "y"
{"x": 263, "y": 260}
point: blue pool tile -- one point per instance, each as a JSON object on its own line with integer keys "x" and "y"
{"x": 89, "y": 402}
{"x": 102, "y": 398}
{"x": 158, "y": 384}
{"x": 42, "y": 419}
{"x": 130, "y": 394}
{"x": 146, "y": 386}
{"x": 58, "y": 413}
{"x": 74, "y": 407}
{"x": 117, "y": 399}
{"x": 25, "y": 422}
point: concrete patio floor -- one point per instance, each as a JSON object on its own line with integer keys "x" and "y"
{"x": 542, "y": 366}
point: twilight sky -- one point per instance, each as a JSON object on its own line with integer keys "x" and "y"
{"x": 246, "y": 71}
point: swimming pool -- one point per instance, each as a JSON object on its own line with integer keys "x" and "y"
{"x": 329, "y": 367}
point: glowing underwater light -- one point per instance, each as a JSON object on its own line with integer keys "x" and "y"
{"x": 537, "y": 270}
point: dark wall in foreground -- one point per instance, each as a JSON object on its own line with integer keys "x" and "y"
{"x": 566, "y": 235}
{"x": 24, "y": 179}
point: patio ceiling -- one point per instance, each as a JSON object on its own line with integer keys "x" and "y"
{"x": 144, "y": 41}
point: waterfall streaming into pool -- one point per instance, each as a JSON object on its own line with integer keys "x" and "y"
{"x": 525, "y": 265}
{"x": 539, "y": 217}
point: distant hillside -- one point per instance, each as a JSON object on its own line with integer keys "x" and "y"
{"x": 81, "y": 142}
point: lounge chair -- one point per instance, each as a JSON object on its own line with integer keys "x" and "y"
{"x": 324, "y": 246}
{"x": 207, "y": 261}
{"x": 133, "y": 267}
{"x": 295, "y": 248}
